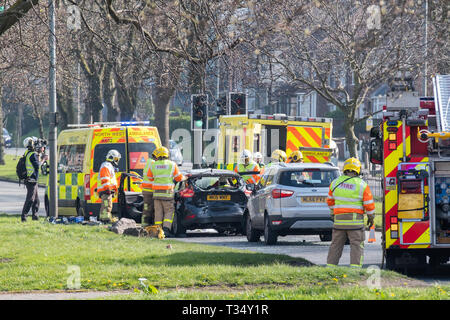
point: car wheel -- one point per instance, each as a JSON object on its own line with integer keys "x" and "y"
{"x": 325, "y": 237}
{"x": 270, "y": 236}
{"x": 252, "y": 234}
{"x": 177, "y": 228}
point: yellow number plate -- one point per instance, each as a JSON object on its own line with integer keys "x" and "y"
{"x": 218, "y": 197}
{"x": 314, "y": 199}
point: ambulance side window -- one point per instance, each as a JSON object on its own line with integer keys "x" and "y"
{"x": 70, "y": 158}
{"x": 76, "y": 157}
{"x": 63, "y": 158}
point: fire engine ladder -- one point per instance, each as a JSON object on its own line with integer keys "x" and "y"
{"x": 441, "y": 87}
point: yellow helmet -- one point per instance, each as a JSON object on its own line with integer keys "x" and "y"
{"x": 296, "y": 156}
{"x": 279, "y": 155}
{"x": 161, "y": 152}
{"x": 352, "y": 164}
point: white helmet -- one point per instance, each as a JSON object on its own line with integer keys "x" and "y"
{"x": 29, "y": 142}
{"x": 113, "y": 156}
{"x": 246, "y": 154}
{"x": 257, "y": 156}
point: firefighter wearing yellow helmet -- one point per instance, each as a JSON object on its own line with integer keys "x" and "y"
{"x": 349, "y": 197}
{"x": 162, "y": 173}
{"x": 295, "y": 157}
{"x": 278, "y": 156}
{"x": 148, "y": 212}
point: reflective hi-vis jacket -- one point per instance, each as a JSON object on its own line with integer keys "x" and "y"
{"x": 147, "y": 183}
{"x": 348, "y": 198}
{"x": 107, "y": 178}
{"x": 252, "y": 166}
{"x": 162, "y": 173}
{"x": 32, "y": 165}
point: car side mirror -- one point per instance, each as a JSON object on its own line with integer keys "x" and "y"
{"x": 251, "y": 187}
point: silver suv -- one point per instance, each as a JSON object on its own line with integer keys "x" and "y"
{"x": 290, "y": 199}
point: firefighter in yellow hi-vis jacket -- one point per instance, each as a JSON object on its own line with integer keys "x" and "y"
{"x": 148, "y": 214}
{"x": 349, "y": 196}
{"x": 162, "y": 173}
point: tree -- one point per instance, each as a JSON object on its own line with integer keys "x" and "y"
{"x": 342, "y": 49}
{"x": 14, "y": 13}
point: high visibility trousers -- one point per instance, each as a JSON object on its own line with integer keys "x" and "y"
{"x": 106, "y": 207}
{"x": 148, "y": 213}
{"x": 339, "y": 237}
{"x": 164, "y": 211}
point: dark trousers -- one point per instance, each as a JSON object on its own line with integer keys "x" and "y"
{"x": 32, "y": 200}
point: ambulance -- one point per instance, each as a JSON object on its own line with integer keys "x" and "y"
{"x": 82, "y": 150}
{"x": 265, "y": 133}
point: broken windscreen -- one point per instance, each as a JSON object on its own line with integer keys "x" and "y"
{"x": 217, "y": 182}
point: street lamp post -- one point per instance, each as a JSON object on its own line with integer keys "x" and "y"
{"x": 53, "y": 198}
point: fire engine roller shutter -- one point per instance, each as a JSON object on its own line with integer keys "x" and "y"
{"x": 310, "y": 137}
{"x": 413, "y": 234}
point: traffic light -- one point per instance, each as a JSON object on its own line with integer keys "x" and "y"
{"x": 221, "y": 104}
{"x": 199, "y": 112}
{"x": 238, "y": 103}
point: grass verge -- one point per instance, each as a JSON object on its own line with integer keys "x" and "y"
{"x": 37, "y": 256}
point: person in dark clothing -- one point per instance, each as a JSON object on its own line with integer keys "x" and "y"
{"x": 31, "y": 182}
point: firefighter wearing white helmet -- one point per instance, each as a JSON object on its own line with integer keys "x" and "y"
{"x": 348, "y": 198}
{"x": 257, "y": 156}
{"x": 246, "y": 164}
{"x": 107, "y": 184}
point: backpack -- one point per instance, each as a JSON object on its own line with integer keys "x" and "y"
{"x": 21, "y": 167}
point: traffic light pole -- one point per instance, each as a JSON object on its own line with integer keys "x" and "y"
{"x": 198, "y": 149}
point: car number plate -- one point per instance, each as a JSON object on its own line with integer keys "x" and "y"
{"x": 314, "y": 199}
{"x": 218, "y": 197}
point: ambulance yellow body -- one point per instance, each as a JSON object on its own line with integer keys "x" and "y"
{"x": 265, "y": 133}
{"x": 82, "y": 150}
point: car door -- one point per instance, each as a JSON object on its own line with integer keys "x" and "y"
{"x": 263, "y": 196}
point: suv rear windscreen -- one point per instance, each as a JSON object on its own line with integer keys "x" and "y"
{"x": 307, "y": 178}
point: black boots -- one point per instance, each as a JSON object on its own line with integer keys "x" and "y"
{"x": 168, "y": 233}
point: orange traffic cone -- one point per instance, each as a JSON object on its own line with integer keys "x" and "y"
{"x": 372, "y": 234}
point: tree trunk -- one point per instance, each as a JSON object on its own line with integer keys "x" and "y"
{"x": 127, "y": 102}
{"x": 350, "y": 137}
{"x": 94, "y": 102}
{"x": 65, "y": 106}
{"x": 161, "y": 99}
{"x": 109, "y": 94}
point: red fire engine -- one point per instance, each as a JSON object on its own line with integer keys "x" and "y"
{"x": 413, "y": 146}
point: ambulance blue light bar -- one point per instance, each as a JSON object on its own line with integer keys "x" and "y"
{"x": 134, "y": 123}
